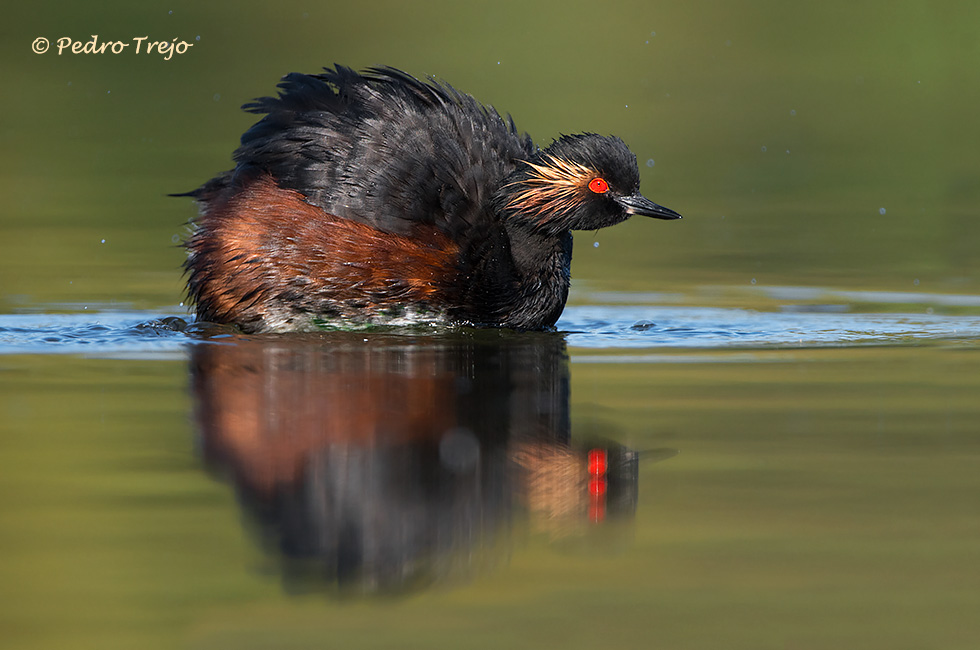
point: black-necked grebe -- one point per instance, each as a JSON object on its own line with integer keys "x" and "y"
{"x": 379, "y": 198}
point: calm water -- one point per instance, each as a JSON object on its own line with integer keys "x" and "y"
{"x": 755, "y": 428}
{"x": 803, "y": 478}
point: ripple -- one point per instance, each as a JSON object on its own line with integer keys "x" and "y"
{"x": 117, "y": 334}
{"x": 621, "y": 326}
{"x": 136, "y": 334}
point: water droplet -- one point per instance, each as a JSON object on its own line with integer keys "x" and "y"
{"x": 753, "y": 280}
{"x": 175, "y": 239}
{"x": 198, "y": 37}
{"x": 217, "y": 96}
{"x": 103, "y": 241}
{"x": 881, "y": 211}
{"x": 650, "y": 162}
{"x": 787, "y": 151}
{"x": 595, "y": 244}
{"x": 793, "y": 112}
{"x": 171, "y": 12}
{"x": 627, "y": 106}
{"x": 915, "y": 282}
{"x": 763, "y": 149}
{"x": 653, "y": 33}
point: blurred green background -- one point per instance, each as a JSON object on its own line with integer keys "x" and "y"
{"x": 819, "y": 144}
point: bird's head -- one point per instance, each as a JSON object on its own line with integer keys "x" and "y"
{"x": 580, "y": 182}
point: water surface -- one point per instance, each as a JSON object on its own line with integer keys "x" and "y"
{"x": 797, "y": 476}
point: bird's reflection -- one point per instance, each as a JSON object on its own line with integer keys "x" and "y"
{"x": 386, "y": 462}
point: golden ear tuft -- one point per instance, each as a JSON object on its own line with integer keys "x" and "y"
{"x": 552, "y": 188}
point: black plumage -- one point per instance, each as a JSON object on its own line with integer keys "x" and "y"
{"x": 386, "y": 167}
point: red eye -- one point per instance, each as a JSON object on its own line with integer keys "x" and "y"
{"x": 599, "y": 186}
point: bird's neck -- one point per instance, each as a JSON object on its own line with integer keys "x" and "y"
{"x": 543, "y": 265}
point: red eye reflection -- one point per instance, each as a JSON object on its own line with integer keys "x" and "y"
{"x": 598, "y": 465}
{"x": 599, "y": 185}
{"x": 597, "y": 462}
{"x": 597, "y": 487}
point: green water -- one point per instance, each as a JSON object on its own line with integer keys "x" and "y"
{"x": 823, "y": 494}
{"x": 819, "y": 498}
{"x": 875, "y": 103}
